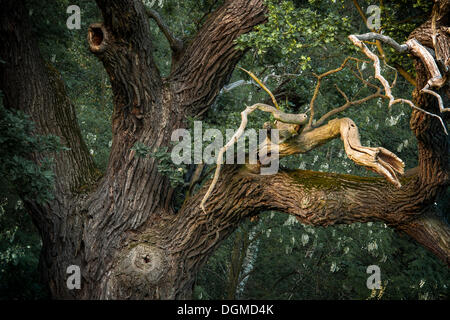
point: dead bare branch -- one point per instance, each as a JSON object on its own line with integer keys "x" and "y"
{"x": 436, "y": 80}
{"x": 388, "y": 40}
{"x": 349, "y": 104}
{"x": 415, "y": 48}
{"x": 402, "y": 71}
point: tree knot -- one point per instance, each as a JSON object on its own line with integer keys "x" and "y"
{"x": 98, "y": 38}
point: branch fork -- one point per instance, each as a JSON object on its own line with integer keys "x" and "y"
{"x": 412, "y": 46}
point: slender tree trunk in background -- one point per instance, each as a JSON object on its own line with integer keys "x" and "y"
{"x": 120, "y": 228}
{"x": 241, "y": 244}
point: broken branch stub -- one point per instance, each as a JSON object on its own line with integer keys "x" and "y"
{"x": 379, "y": 160}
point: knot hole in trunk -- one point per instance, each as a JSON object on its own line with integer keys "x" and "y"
{"x": 97, "y": 37}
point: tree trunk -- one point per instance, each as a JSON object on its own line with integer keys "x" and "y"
{"x": 121, "y": 229}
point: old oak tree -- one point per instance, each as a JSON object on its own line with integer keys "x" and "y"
{"x": 121, "y": 228}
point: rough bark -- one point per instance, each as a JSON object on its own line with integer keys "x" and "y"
{"x": 121, "y": 230}
{"x": 209, "y": 60}
{"x": 35, "y": 87}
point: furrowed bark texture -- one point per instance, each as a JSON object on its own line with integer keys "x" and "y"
{"x": 208, "y": 62}
{"x": 35, "y": 87}
{"x": 121, "y": 229}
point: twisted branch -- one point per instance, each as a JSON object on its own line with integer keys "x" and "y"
{"x": 379, "y": 160}
{"x": 299, "y": 119}
{"x": 417, "y": 49}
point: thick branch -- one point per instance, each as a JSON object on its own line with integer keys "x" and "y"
{"x": 209, "y": 60}
{"x": 433, "y": 232}
{"x": 314, "y": 198}
{"x": 299, "y": 119}
{"x": 122, "y": 42}
{"x": 379, "y": 160}
{"x": 35, "y": 87}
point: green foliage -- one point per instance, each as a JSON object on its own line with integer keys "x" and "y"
{"x": 32, "y": 181}
{"x": 141, "y": 149}
{"x": 20, "y": 245}
{"x": 22, "y": 179}
{"x": 292, "y": 31}
{"x": 175, "y": 173}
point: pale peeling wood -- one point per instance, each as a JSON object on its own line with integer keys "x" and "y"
{"x": 379, "y": 160}
{"x": 416, "y": 48}
{"x": 436, "y": 80}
